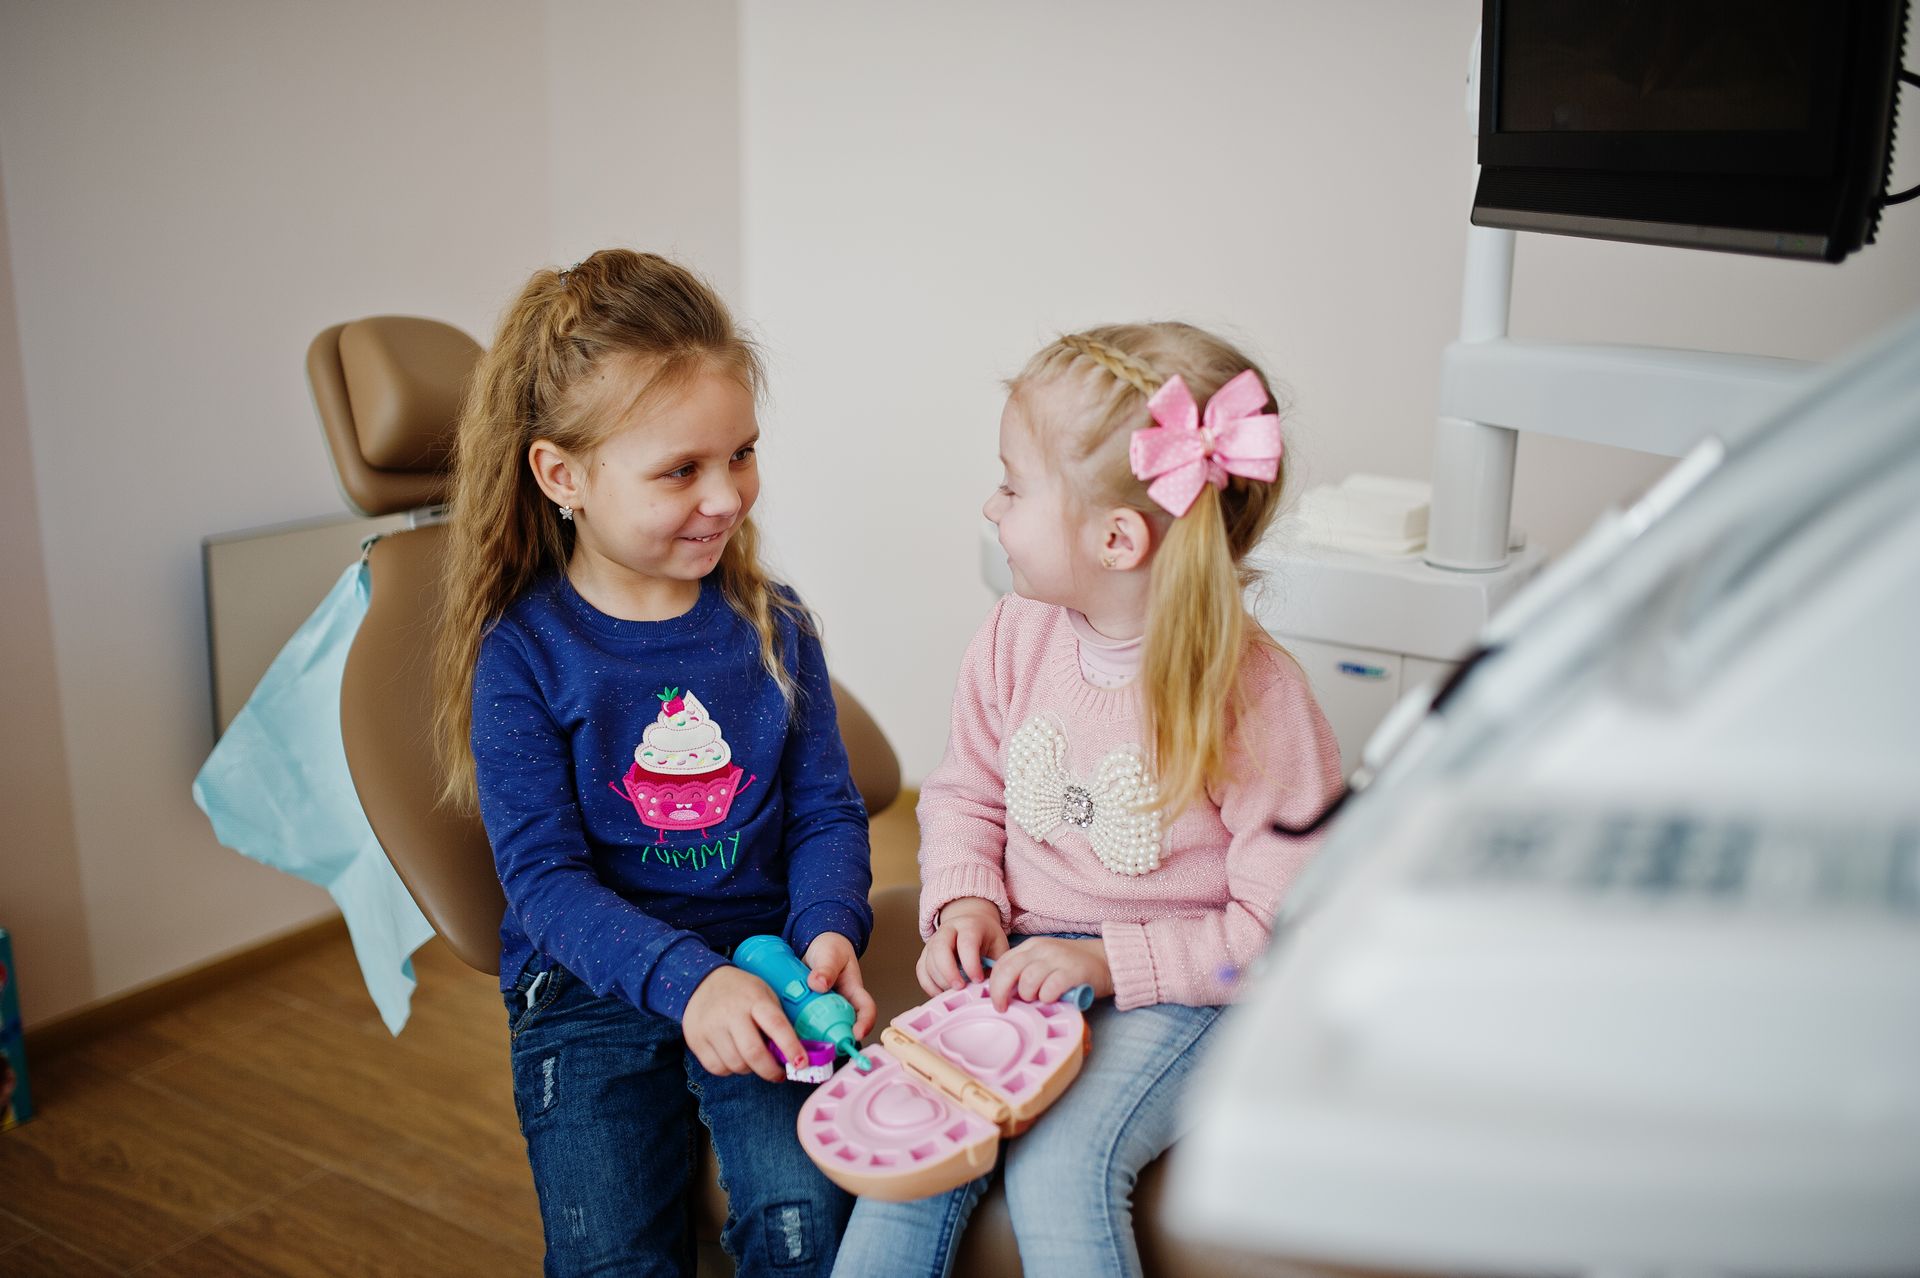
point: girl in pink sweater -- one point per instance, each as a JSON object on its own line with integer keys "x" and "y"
{"x": 1124, "y": 738}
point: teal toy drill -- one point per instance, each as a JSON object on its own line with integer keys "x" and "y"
{"x": 825, "y": 1018}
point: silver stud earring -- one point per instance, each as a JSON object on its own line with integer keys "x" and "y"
{"x": 566, "y": 513}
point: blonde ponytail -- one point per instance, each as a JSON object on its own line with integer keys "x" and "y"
{"x": 1190, "y": 670}
{"x": 1197, "y": 625}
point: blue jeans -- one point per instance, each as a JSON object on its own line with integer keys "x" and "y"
{"x": 608, "y": 1096}
{"x": 1070, "y": 1177}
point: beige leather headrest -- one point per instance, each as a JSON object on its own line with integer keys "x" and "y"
{"x": 389, "y": 390}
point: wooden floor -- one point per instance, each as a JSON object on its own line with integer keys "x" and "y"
{"x": 273, "y": 1128}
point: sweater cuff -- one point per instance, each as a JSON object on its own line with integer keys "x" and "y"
{"x": 676, "y": 973}
{"x": 965, "y": 880}
{"x": 810, "y": 924}
{"x": 1130, "y": 959}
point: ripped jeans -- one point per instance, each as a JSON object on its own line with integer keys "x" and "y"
{"x": 608, "y": 1097}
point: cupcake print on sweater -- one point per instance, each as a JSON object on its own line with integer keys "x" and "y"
{"x": 683, "y": 776}
{"x": 684, "y": 741}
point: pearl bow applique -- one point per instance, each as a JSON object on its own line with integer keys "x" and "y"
{"x": 1114, "y": 809}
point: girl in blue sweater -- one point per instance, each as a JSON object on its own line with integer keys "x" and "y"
{"x": 645, "y": 721}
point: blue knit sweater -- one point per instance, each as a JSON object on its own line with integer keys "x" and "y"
{"x": 650, "y": 798}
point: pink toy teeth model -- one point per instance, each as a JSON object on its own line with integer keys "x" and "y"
{"x": 950, "y": 1079}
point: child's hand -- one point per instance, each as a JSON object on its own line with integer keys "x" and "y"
{"x": 969, "y": 931}
{"x": 1044, "y": 968}
{"x": 728, "y": 1020}
{"x": 836, "y": 967}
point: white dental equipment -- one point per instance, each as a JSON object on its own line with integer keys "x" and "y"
{"x": 1615, "y": 967}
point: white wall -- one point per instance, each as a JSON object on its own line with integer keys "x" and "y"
{"x": 192, "y": 192}
{"x": 933, "y": 192}
{"x": 643, "y": 133}
{"x": 904, "y": 199}
{"x": 40, "y": 897}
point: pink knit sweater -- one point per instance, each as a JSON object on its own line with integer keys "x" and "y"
{"x": 1029, "y": 810}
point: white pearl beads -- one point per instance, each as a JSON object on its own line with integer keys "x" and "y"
{"x": 1114, "y": 809}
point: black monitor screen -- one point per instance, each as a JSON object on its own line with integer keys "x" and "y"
{"x": 1705, "y": 66}
{"x": 1760, "y": 126}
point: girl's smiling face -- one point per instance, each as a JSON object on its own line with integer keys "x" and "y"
{"x": 1048, "y": 546}
{"x": 657, "y": 501}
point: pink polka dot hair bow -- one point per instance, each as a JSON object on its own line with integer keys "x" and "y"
{"x": 1186, "y": 449}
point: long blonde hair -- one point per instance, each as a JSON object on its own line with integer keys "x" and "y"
{"x": 1197, "y": 624}
{"x": 618, "y": 308}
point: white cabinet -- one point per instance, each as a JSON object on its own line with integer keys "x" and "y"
{"x": 1368, "y": 630}
{"x": 1354, "y": 686}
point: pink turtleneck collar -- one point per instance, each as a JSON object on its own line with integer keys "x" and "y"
{"x": 1104, "y": 662}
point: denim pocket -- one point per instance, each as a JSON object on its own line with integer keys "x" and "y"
{"x": 530, "y": 997}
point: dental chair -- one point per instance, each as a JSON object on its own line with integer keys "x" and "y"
{"x": 388, "y": 391}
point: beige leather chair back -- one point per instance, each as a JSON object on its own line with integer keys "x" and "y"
{"x": 388, "y": 390}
